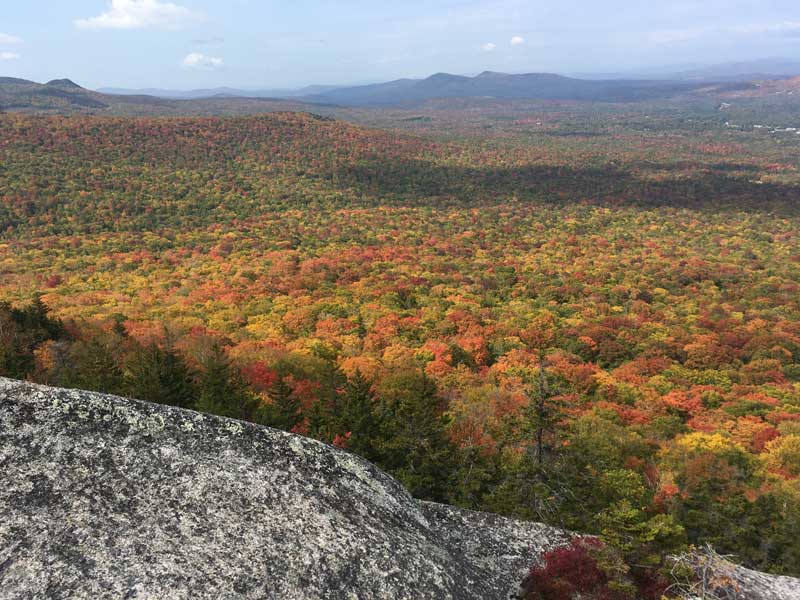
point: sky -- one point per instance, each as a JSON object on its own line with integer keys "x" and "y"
{"x": 268, "y": 44}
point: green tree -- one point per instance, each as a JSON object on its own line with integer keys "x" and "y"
{"x": 95, "y": 365}
{"x": 284, "y": 410}
{"x": 160, "y": 375}
{"x": 22, "y": 330}
{"x": 357, "y": 416}
{"x": 414, "y": 446}
{"x": 221, "y": 389}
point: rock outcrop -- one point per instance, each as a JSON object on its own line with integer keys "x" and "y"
{"x": 103, "y": 497}
{"x": 718, "y": 579}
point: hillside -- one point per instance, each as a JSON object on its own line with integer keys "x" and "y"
{"x": 63, "y": 96}
{"x": 790, "y": 86}
{"x": 540, "y": 86}
{"x": 743, "y": 71}
{"x": 103, "y": 496}
{"x": 85, "y": 174}
{"x": 407, "y": 295}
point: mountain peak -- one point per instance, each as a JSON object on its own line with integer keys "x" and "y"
{"x": 445, "y": 77}
{"x": 64, "y": 83}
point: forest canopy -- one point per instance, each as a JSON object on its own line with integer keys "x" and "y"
{"x": 529, "y": 325}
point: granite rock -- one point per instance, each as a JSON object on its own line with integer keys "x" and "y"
{"x": 717, "y": 578}
{"x": 105, "y": 497}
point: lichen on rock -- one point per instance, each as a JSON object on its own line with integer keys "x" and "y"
{"x": 104, "y": 497}
{"x": 714, "y": 577}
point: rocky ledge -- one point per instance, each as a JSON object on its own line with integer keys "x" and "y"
{"x": 716, "y": 578}
{"x": 103, "y": 497}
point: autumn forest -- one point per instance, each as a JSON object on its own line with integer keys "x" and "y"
{"x": 583, "y": 315}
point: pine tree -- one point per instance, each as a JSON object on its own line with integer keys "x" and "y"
{"x": 221, "y": 389}
{"x": 22, "y": 330}
{"x": 414, "y": 446}
{"x": 36, "y": 318}
{"x": 95, "y": 366}
{"x": 159, "y": 375}
{"x": 283, "y": 411}
{"x": 357, "y": 416}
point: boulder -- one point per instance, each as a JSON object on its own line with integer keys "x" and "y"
{"x": 105, "y": 497}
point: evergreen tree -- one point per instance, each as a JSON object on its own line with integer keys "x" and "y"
{"x": 95, "y": 366}
{"x": 283, "y": 412}
{"x": 221, "y": 389}
{"x": 159, "y": 375}
{"x": 476, "y": 476}
{"x": 357, "y": 416}
{"x": 35, "y": 318}
{"x": 22, "y": 330}
{"x": 15, "y": 360}
{"x": 414, "y": 446}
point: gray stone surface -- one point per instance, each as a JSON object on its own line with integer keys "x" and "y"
{"x": 719, "y": 579}
{"x": 103, "y": 497}
{"x": 752, "y": 585}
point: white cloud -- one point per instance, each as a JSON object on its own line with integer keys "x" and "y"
{"x": 488, "y": 47}
{"x": 517, "y": 40}
{"x": 9, "y": 40}
{"x": 140, "y": 14}
{"x": 195, "y": 60}
{"x": 8, "y": 56}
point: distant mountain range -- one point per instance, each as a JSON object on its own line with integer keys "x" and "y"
{"x": 65, "y": 96}
{"x": 538, "y": 86}
{"x": 221, "y": 92}
{"x": 543, "y": 86}
{"x": 618, "y": 87}
{"x": 742, "y": 71}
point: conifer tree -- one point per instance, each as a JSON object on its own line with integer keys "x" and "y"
{"x": 283, "y": 411}
{"x": 357, "y": 416}
{"x": 95, "y": 366}
{"x": 159, "y": 375}
{"x": 221, "y": 389}
{"x": 22, "y": 330}
{"x": 414, "y": 446}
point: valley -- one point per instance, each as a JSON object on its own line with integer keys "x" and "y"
{"x": 578, "y": 314}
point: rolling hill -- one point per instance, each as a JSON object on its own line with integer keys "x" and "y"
{"x": 63, "y": 96}
{"x": 489, "y": 84}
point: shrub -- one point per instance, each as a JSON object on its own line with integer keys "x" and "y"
{"x": 585, "y": 569}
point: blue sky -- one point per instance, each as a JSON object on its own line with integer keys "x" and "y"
{"x": 282, "y": 43}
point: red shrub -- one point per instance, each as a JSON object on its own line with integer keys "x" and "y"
{"x": 571, "y": 571}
